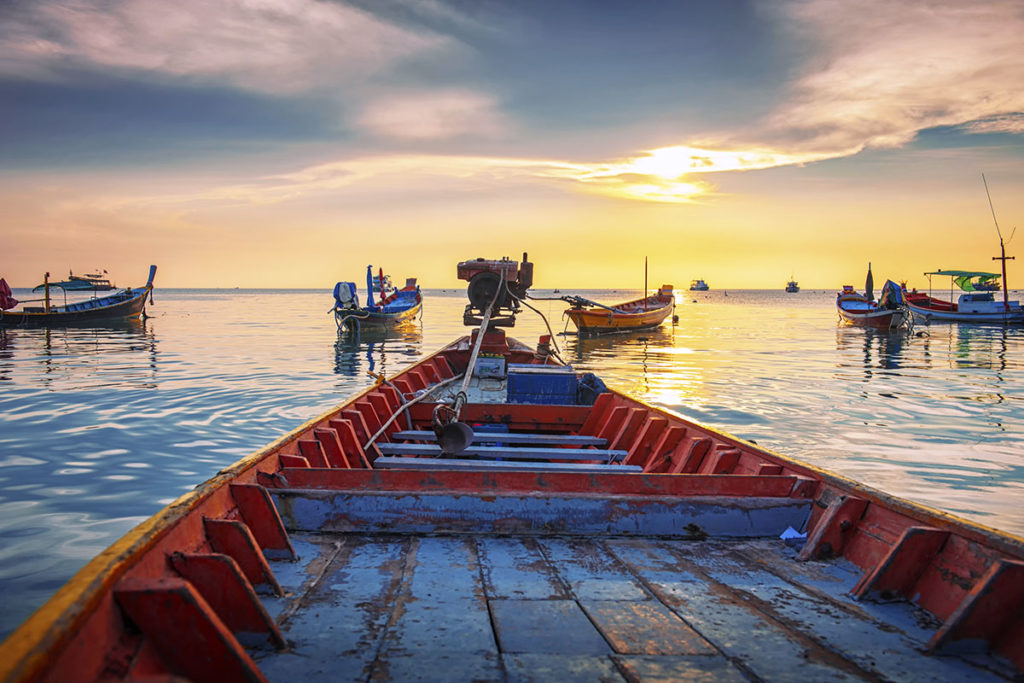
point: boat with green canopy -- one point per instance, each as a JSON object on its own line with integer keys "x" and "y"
{"x": 976, "y": 304}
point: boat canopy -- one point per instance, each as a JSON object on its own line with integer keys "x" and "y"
{"x": 969, "y": 280}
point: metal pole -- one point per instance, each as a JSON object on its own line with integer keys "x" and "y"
{"x": 1002, "y": 249}
{"x": 645, "y": 283}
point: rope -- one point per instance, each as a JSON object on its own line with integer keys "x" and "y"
{"x": 551, "y": 335}
{"x": 405, "y": 406}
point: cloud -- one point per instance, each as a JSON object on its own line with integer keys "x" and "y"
{"x": 887, "y": 70}
{"x": 877, "y": 73}
{"x": 269, "y": 46}
{"x": 432, "y": 115}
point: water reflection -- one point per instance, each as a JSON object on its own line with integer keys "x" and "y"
{"x": 379, "y": 351}
{"x": 874, "y": 349}
{"x": 634, "y": 344}
{"x": 111, "y": 353}
{"x": 981, "y": 346}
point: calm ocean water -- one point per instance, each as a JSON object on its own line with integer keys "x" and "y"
{"x": 100, "y": 427}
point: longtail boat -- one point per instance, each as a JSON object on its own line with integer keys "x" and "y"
{"x": 125, "y": 303}
{"x": 645, "y": 313}
{"x": 888, "y": 313}
{"x": 489, "y": 513}
{"x": 395, "y": 306}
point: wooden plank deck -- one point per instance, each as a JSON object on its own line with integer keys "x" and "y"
{"x": 506, "y": 607}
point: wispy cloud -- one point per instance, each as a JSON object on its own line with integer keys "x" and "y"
{"x": 270, "y": 46}
{"x": 888, "y": 70}
{"x": 433, "y": 115}
{"x": 879, "y": 73}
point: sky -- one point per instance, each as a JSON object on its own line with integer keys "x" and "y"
{"x": 289, "y": 143}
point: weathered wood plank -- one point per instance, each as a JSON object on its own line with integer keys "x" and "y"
{"x": 527, "y": 453}
{"x": 510, "y": 437}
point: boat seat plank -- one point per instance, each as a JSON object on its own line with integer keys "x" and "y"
{"x": 528, "y": 453}
{"x": 468, "y": 464}
{"x": 526, "y": 439}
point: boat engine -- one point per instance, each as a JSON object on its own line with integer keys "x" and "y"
{"x": 499, "y": 285}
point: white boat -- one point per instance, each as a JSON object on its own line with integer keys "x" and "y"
{"x": 970, "y": 306}
{"x": 977, "y": 304}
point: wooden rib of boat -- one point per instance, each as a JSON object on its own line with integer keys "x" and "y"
{"x": 888, "y": 313}
{"x": 126, "y": 303}
{"x": 577, "y": 533}
{"x": 646, "y": 313}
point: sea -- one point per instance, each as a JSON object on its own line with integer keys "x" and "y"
{"x": 102, "y": 426}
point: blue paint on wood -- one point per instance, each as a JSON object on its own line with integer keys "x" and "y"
{"x": 545, "y": 626}
{"x": 444, "y": 512}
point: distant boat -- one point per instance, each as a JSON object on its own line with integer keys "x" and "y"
{"x": 92, "y": 282}
{"x": 792, "y": 286}
{"x": 383, "y": 284}
{"x": 126, "y": 303}
{"x": 698, "y": 286}
{"x": 889, "y": 312}
{"x": 647, "y": 313}
{"x": 398, "y": 306}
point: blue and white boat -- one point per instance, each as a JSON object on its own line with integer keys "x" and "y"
{"x": 392, "y": 308}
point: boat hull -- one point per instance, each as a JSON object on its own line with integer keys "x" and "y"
{"x": 363, "y": 318}
{"x": 878, "y": 319}
{"x": 930, "y": 314}
{"x": 371, "y": 565}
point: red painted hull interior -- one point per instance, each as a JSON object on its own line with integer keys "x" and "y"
{"x": 629, "y": 544}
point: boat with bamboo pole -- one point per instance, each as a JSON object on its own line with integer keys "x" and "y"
{"x": 125, "y": 303}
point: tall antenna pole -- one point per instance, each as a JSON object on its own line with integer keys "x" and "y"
{"x": 645, "y": 283}
{"x": 1002, "y": 248}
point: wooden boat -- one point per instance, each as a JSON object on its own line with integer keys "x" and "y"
{"x": 126, "y": 303}
{"x": 395, "y": 307}
{"x": 490, "y": 514}
{"x": 646, "y": 313}
{"x": 970, "y": 306}
{"x": 888, "y": 313}
{"x": 90, "y": 282}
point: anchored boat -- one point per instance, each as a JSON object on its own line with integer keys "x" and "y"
{"x": 888, "y": 313}
{"x": 970, "y": 306}
{"x": 489, "y": 513}
{"x": 396, "y": 306}
{"x": 645, "y": 313}
{"x": 125, "y": 303}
